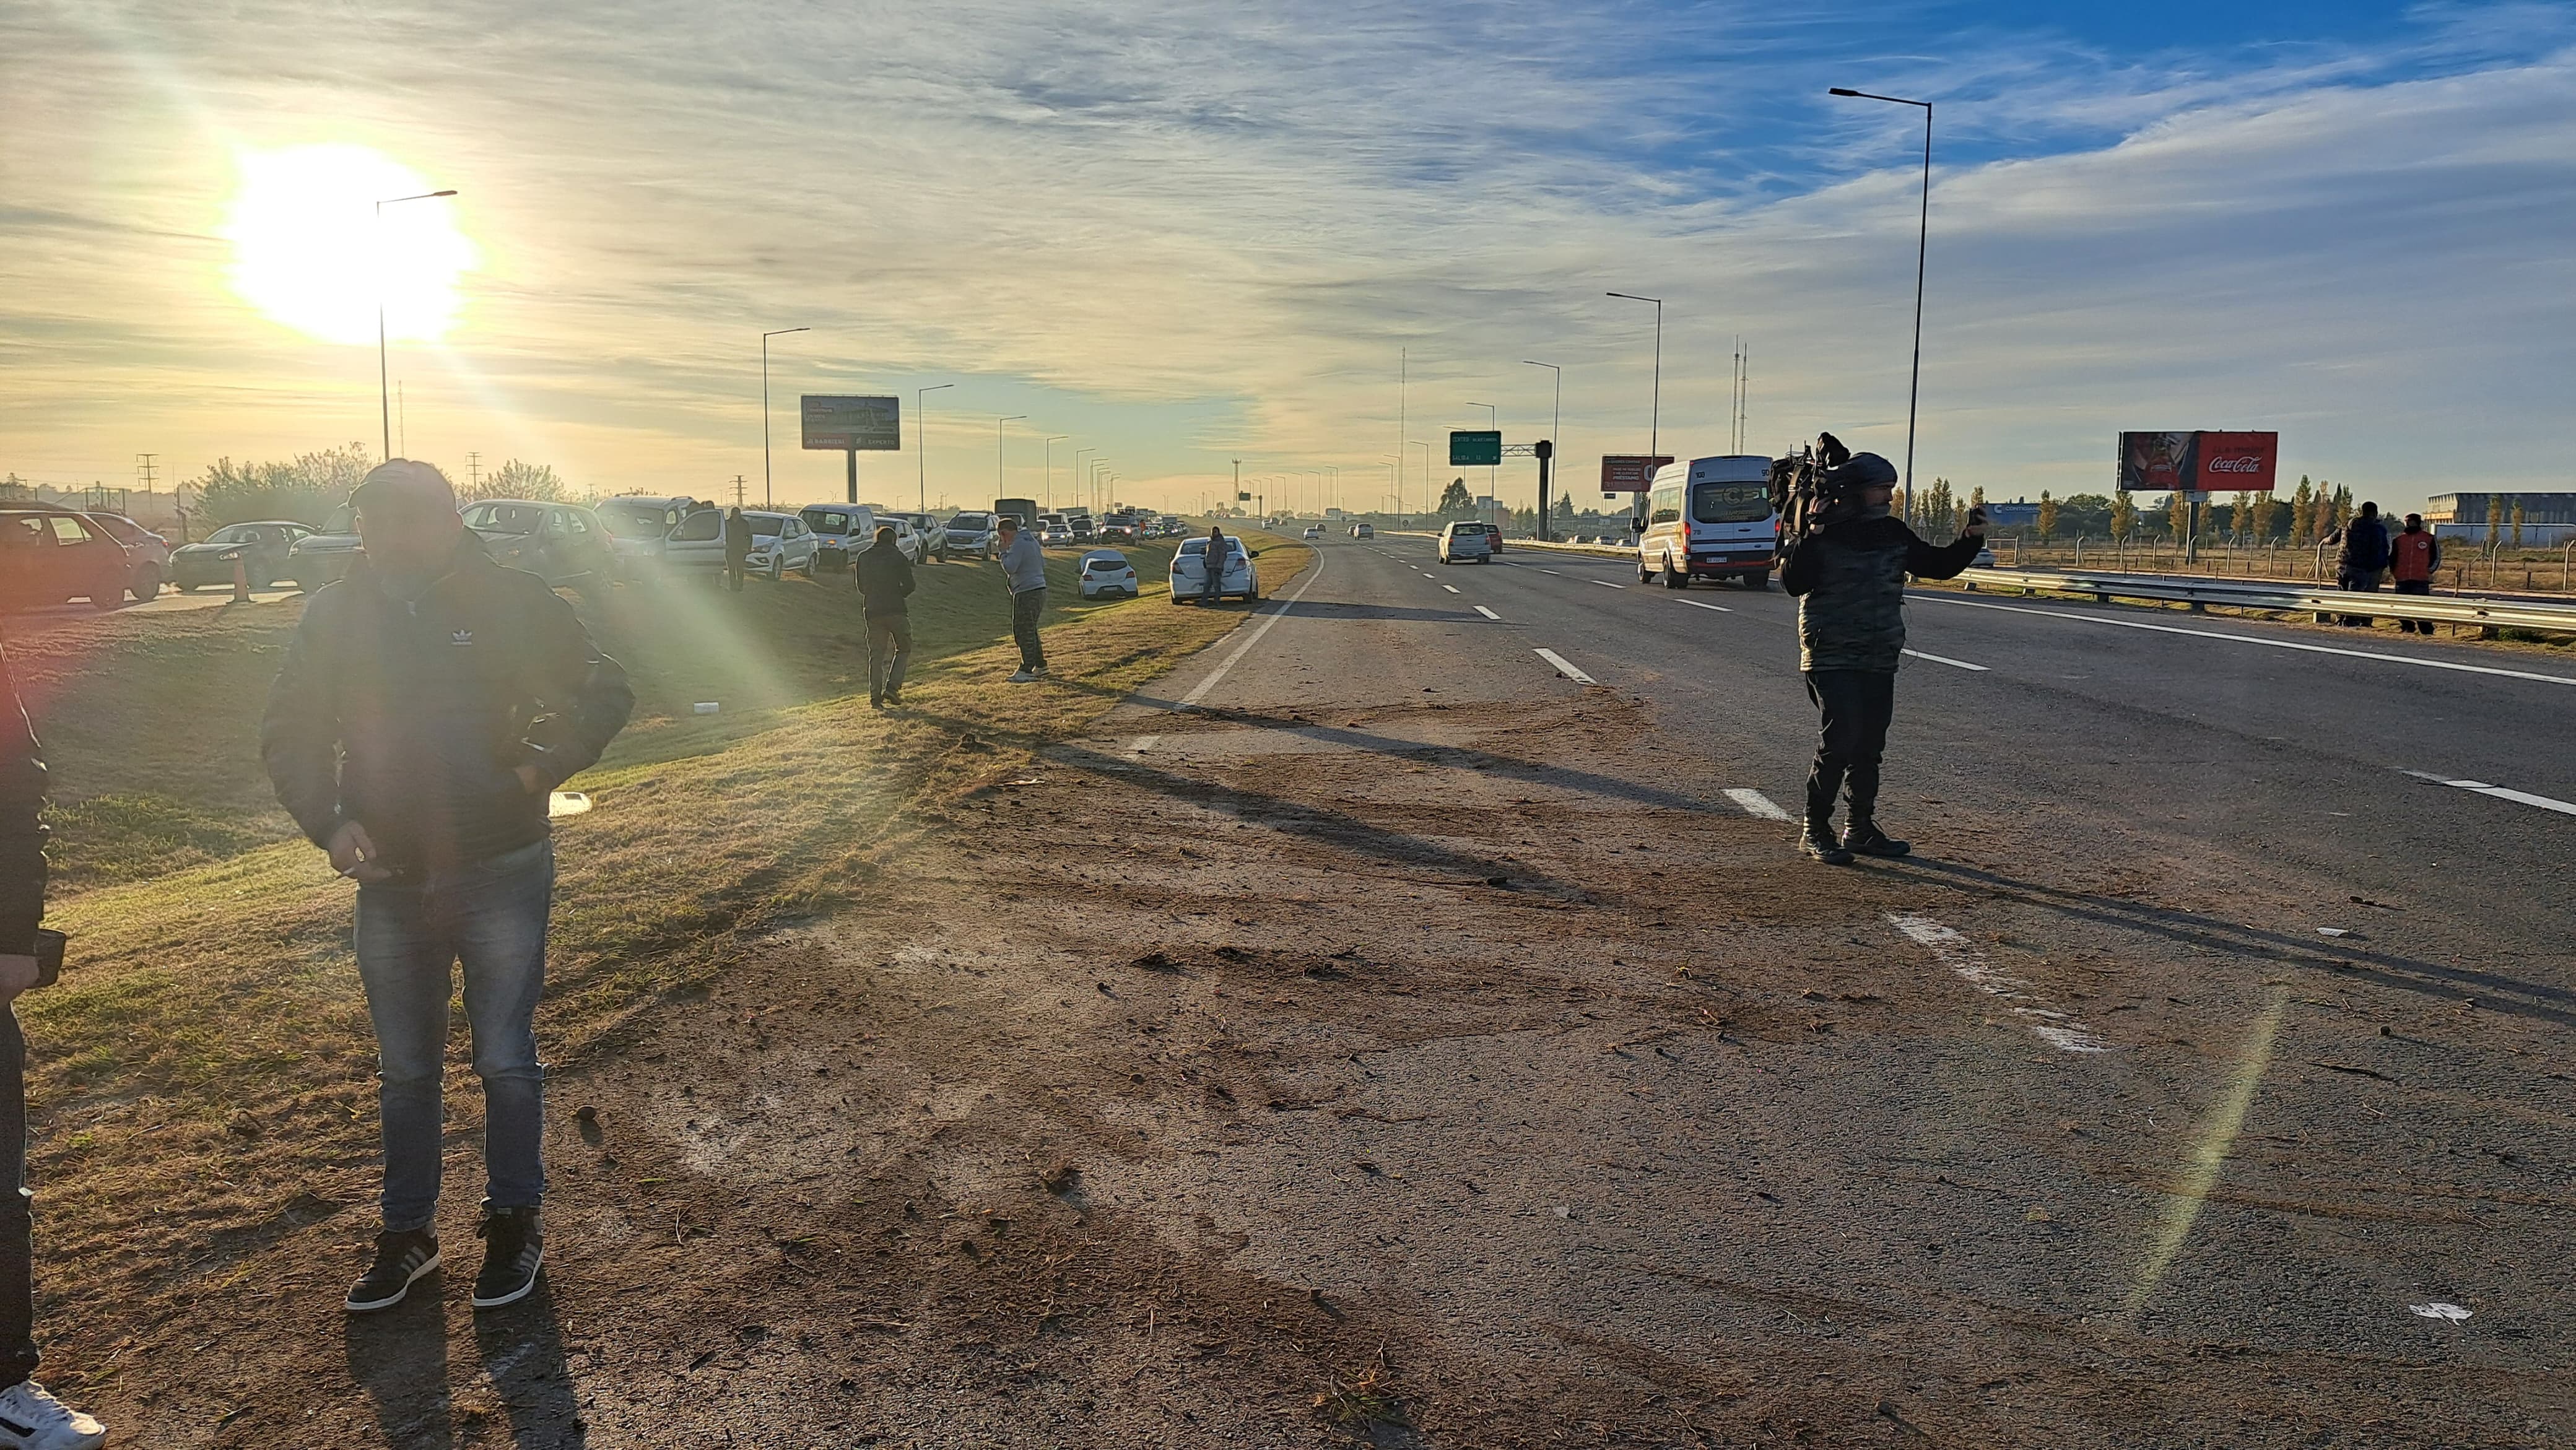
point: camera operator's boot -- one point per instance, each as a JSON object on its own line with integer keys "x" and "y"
{"x": 1818, "y": 841}
{"x": 1866, "y": 839}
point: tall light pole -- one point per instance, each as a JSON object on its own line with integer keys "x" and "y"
{"x": 765, "y": 500}
{"x": 1654, "y": 447}
{"x": 1395, "y": 475}
{"x": 1428, "y": 504}
{"x": 1922, "y": 245}
{"x": 997, "y": 448}
{"x": 1078, "y": 475}
{"x": 1553, "y": 429}
{"x": 1050, "y": 466}
{"x": 1493, "y": 420}
{"x": 921, "y": 441}
{"x": 384, "y": 402}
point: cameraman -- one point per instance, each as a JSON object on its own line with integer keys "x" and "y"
{"x": 29, "y": 1417}
{"x": 1848, "y": 573}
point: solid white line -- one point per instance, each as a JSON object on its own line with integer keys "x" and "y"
{"x": 2316, "y": 649}
{"x": 1567, "y": 670}
{"x": 1199, "y": 691}
{"x": 1606, "y": 584}
{"x": 1452, "y": 588}
{"x": 1489, "y": 614}
{"x": 1703, "y": 604}
{"x": 1755, "y": 803}
{"x": 1956, "y": 952}
{"x": 2500, "y": 793}
{"x": 1946, "y": 660}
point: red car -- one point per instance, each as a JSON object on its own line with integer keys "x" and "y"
{"x": 49, "y": 555}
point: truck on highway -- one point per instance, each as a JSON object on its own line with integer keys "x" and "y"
{"x": 1710, "y": 518}
{"x": 1026, "y": 508}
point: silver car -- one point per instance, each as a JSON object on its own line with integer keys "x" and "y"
{"x": 780, "y": 544}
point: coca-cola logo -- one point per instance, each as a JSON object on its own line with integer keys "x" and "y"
{"x": 2236, "y": 465}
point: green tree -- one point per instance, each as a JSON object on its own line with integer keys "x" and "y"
{"x": 2047, "y": 517}
{"x": 306, "y": 488}
{"x": 2124, "y": 515}
{"x": 2267, "y": 509}
{"x": 2085, "y": 515}
{"x": 2517, "y": 523}
{"x": 2495, "y": 519}
{"x": 2342, "y": 506}
{"x": 1455, "y": 501}
{"x": 536, "y": 482}
{"x": 2303, "y": 512}
{"x": 2178, "y": 513}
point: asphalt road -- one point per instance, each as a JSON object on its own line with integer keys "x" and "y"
{"x": 2204, "y": 1080}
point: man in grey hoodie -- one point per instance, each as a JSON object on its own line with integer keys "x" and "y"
{"x": 1024, "y": 569}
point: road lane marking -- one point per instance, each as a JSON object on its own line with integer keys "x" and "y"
{"x": 1606, "y": 584}
{"x": 1199, "y": 691}
{"x": 1755, "y": 803}
{"x": 1950, "y": 949}
{"x": 1430, "y": 576}
{"x": 1452, "y": 588}
{"x": 2316, "y": 649}
{"x": 1546, "y": 571}
{"x": 1704, "y": 604}
{"x": 1946, "y": 660}
{"x": 1489, "y": 614}
{"x": 2500, "y": 793}
{"x": 1567, "y": 670}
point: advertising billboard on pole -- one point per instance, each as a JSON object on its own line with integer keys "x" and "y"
{"x": 1630, "y": 472}
{"x": 2203, "y": 461}
{"x": 853, "y": 425}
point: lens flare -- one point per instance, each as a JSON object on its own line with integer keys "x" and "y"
{"x": 310, "y": 252}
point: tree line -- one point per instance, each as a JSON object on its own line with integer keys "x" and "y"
{"x": 309, "y": 486}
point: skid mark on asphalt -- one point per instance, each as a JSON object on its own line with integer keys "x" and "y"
{"x": 1755, "y": 803}
{"x": 2058, "y": 1029}
{"x": 1946, "y": 660}
{"x": 2500, "y": 793}
{"x": 1565, "y": 669}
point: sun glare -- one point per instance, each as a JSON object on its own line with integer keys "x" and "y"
{"x": 310, "y": 253}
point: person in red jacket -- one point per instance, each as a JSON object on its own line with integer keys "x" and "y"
{"x": 2412, "y": 557}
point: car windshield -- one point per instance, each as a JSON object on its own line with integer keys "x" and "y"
{"x": 236, "y": 534}
{"x": 831, "y": 521}
{"x": 1730, "y": 503}
{"x": 505, "y": 518}
{"x": 765, "y": 526}
{"x": 1105, "y": 563}
{"x": 635, "y": 520}
{"x": 971, "y": 521}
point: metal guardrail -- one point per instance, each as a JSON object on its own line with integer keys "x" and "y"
{"x": 2284, "y": 598}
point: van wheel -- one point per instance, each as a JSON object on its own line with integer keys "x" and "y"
{"x": 1758, "y": 583}
{"x": 1675, "y": 578}
{"x": 1644, "y": 574}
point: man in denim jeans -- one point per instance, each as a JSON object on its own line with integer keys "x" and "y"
{"x": 428, "y": 707}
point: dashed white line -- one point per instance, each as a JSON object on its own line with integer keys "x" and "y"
{"x": 1606, "y": 584}
{"x": 1489, "y": 614}
{"x": 1946, "y": 660}
{"x": 1704, "y": 604}
{"x": 1452, "y": 588}
{"x": 1565, "y": 669}
{"x": 2315, "y": 649}
{"x": 2057, "y": 1029}
{"x": 2501, "y": 793}
{"x": 1544, "y": 570}
{"x": 1755, "y": 803}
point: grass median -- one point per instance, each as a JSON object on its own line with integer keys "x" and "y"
{"x": 203, "y": 1077}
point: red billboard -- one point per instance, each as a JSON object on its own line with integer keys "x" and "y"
{"x": 1629, "y": 472}
{"x": 2198, "y": 462}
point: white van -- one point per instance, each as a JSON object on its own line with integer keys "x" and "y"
{"x": 1710, "y": 518}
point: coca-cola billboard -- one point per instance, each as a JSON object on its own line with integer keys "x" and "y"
{"x": 2203, "y": 461}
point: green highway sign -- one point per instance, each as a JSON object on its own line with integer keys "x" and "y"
{"x": 1475, "y": 450}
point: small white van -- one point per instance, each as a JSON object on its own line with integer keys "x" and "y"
{"x": 1710, "y": 518}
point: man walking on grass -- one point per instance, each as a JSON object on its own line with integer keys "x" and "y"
{"x": 885, "y": 581}
{"x": 1024, "y": 569}
{"x": 428, "y": 707}
{"x": 30, "y": 1419}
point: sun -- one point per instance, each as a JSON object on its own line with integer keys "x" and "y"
{"x": 310, "y": 252}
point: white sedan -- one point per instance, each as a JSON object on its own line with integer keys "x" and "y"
{"x": 1190, "y": 572}
{"x": 1107, "y": 572}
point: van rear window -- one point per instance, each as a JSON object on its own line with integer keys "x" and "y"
{"x": 1730, "y": 503}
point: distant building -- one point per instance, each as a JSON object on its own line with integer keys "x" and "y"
{"x": 2547, "y": 518}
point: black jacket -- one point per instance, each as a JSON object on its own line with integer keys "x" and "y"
{"x": 22, "y": 830}
{"x": 885, "y": 578}
{"x": 412, "y": 717}
{"x": 1850, "y": 584}
{"x": 2365, "y": 546}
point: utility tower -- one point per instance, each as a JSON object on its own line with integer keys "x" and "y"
{"x": 474, "y": 473}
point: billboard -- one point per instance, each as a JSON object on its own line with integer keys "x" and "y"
{"x": 1630, "y": 472}
{"x": 2198, "y": 462}
{"x": 1475, "y": 450}
{"x": 845, "y": 424}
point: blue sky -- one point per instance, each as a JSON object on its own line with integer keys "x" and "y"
{"x": 1185, "y": 233}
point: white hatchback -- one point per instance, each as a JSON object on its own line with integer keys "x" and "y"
{"x": 1107, "y": 572}
{"x": 1462, "y": 542}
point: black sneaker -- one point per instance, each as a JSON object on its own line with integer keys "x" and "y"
{"x": 513, "y": 1247}
{"x": 401, "y": 1259}
{"x": 1819, "y": 842}
{"x": 894, "y": 697}
{"x": 1867, "y": 839}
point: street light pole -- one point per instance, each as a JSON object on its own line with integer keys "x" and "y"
{"x": 384, "y": 404}
{"x": 766, "y": 500}
{"x": 1654, "y": 448}
{"x": 1427, "y": 503}
{"x": 1050, "y": 466}
{"x": 1922, "y": 246}
{"x": 1493, "y": 420}
{"x": 1553, "y": 429}
{"x": 1078, "y": 475}
{"x": 921, "y": 443}
{"x": 997, "y": 448}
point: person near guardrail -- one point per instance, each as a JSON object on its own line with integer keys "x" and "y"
{"x": 2412, "y": 557}
{"x": 28, "y": 1414}
{"x": 1847, "y": 572}
{"x": 885, "y": 581}
{"x": 2364, "y": 557}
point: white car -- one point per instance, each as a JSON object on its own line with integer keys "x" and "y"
{"x": 1460, "y": 543}
{"x": 1363, "y": 531}
{"x": 842, "y": 532}
{"x": 1190, "y": 566}
{"x": 931, "y": 537}
{"x": 780, "y": 544}
{"x": 636, "y": 524}
{"x": 1054, "y": 530}
{"x": 1107, "y": 572}
{"x": 1313, "y": 531}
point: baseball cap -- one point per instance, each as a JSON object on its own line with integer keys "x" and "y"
{"x": 404, "y": 480}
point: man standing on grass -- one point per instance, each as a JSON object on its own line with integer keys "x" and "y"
{"x": 30, "y": 1419}
{"x": 1212, "y": 587}
{"x": 2412, "y": 557}
{"x": 737, "y": 542}
{"x": 428, "y": 707}
{"x": 885, "y": 581}
{"x": 1024, "y": 569}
